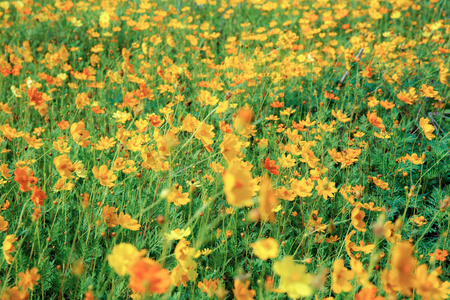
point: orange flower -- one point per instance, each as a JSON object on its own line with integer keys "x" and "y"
{"x": 241, "y": 291}
{"x": 271, "y": 167}
{"x": 25, "y": 178}
{"x": 375, "y": 120}
{"x": 64, "y": 166}
{"x": 147, "y": 277}
{"x": 35, "y": 97}
{"x": 208, "y": 286}
{"x": 29, "y": 279}
{"x": 109, "y": 216}
{"x": 439, "y": 255}
{"x": 38, "y": 196}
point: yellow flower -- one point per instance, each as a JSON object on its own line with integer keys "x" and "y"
{"x": 341, "y": 277}
{"x": 325, "y": 188}
{"x": 267, "y": 200}
{"x": 79, "y": 134}
{"x": 294, "y": 279}
{"x": 178, "y": 234}
{"x": 357, "y": 217}
{"x": 403, "y": 266}
{"x": 123, "y": 256}
{"x": 177, "y": 196}
{"x": 8, "y": 247}
{"x": 427, "y": 128}
{"x": 237, "y": 185}
{"x": 3, "y": 224}
{"x": 127, "y": 222}
{"x": 230, "y": 147}
{"x": 105, "y": 176}
{"x": 265, "y": 249}
{"x": 205, "y": 134}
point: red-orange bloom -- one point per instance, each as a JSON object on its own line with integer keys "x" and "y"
{"x": 35, "y": 97}
{"x": 147, "y": 277}
{"x": 271, "y": 167}
{"x": 38, "y": 196}
{"x": 25, "y": 178}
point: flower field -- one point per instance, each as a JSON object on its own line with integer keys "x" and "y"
{"x": 240, "y": 149}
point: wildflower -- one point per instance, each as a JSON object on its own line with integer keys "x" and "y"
{"x": 127, "y": 222}
{"x": 25, "y": 178}
{"x": 375, "y": 120}
{"x": 208, "y": 286}
{"x": 389, "y": 233}
{"x": 427, "y": 128}
{"x": 340, "y": 116}
{"x": 357, "y": 217}
{"x": 147, "y": 277}
{"x": 294, "y": 279}
{"x": 439, "y": 255}
{"x": 429, "y": 286}
{"x": 341, "y": 277}
{"x": 8, "y": 247}
{"x": 105, "y": 143}
{"x": 267, "y": 200}
{"x": 38, "y": 196}
{"x": 3, "y": 224}
{"x": 419, "y": 221}
{"x": 241, "y": 290}
{"x": 271, "y": 167}
{"x": 109, "y": 216}
{"x": 403, "y": 265}
{"x": 325, "y": 188}
{"x": 368, "y": 292}
{"x": 29, "y": 279}
{"x": 237, "y": 185}
{"x": 123, "y": 256}
{"x": 230, "y": 147}
{"x": 178, "y": 234}
{"x": 5, "y": 171}
{"x": 265, "y": 249}
{"x": 205, "y": 134}
{"x": 303, "y": 187}
{"x": 79, "y": 134}
{"x": 177, "y": 196}
{"x": 428, "y": 91}
{"x": 105, "y": 176}
{"x": 64, "y": 166}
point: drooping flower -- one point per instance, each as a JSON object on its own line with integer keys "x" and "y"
{"x": 267, "y": 200}
{"x": 427, "y": 128}
{"x": 127, "y": 222}
{"x": 8, "y": 247}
